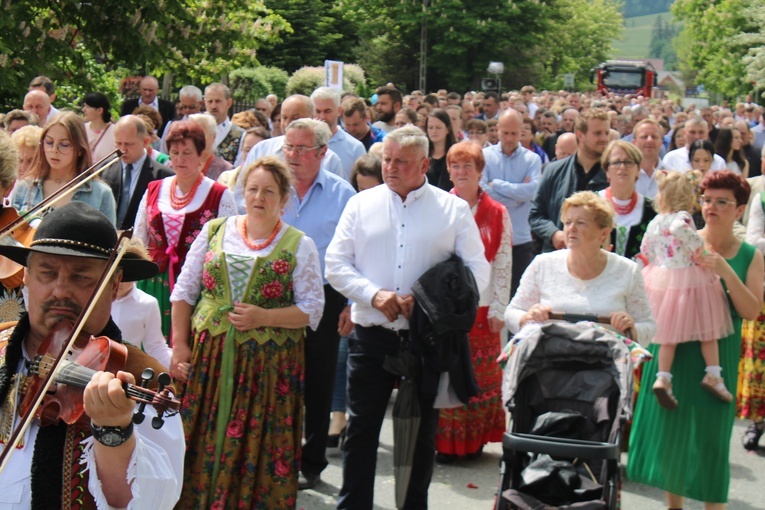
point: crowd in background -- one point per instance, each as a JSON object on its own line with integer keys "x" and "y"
{"x": 261, "y": 242}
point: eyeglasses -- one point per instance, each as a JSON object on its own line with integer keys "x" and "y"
{"x": 183, "y": 107}
{"x": 62, "y": 147}
{"x": 618, "y": 162}
{"x": 720, "y": 203}
{"x": 298, "y": 149}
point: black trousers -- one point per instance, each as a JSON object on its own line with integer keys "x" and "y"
{"x": 523, "y": 254}
{"x": 369, "y": 389}
{"x": 320, "y": 367}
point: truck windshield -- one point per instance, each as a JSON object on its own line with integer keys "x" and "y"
{"x": 623, "y": 80}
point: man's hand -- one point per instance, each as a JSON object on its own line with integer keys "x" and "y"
{"x": 388, "y": 303}
{"x": 105, "y": 401}
{"x": 406, "y": 303}
{"x": 559, "y": 240}
{"x": 344, "y": 325}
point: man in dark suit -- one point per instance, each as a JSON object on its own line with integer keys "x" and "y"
{"x": 130, "y": 176}
{"x": 149, "y": 87}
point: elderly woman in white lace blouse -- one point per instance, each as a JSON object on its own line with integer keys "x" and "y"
{"x": 584, "y": 278}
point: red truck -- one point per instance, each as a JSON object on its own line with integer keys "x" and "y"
{"x": 624, "y": 77}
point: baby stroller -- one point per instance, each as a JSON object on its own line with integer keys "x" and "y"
{"x": 568, "y": 388}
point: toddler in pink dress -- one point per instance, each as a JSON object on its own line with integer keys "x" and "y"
{"x": 687, "y": 300}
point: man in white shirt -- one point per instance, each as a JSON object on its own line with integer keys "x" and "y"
{"x": 38, "y": 102}
{"x": 326, "y": 102}
{"x": 648, "y": 138}
{"x": 113, "y": 463}
{"x": 46, "y": 85}
{"x": 387, "y": 238}
{"x": 696, "y": 128}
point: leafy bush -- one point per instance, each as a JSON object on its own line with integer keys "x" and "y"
{"x": 307, "y": 79}
{"x": 256, "y": 82}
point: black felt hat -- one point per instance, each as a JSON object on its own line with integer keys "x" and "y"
{"x": 79, "y": 230}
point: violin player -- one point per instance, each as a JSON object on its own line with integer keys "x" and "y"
{"x": 111, "y": 463}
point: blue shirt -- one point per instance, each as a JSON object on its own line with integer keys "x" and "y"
{"x": 348, "y": 150}
{"x": 513, "y": 180}
{"x": 319, "y": 212}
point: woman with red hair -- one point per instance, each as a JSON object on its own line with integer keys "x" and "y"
{"x": 685, "y": 451}
{"x": 463, "y": 431}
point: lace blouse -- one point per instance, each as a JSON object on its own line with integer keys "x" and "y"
{"x": 497, "y": 294}
{"x": 618, "y": 288}
{"x": 307, "y": 280}
{"x": 227, "y": 206}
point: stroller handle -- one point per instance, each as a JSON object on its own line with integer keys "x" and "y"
{"x": 631, "y": 333}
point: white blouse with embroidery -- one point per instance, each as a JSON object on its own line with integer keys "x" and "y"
{"x": 227, "y": 206}
{"x": 306, "y": 279}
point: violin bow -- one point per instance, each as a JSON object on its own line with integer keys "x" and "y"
{"x": 111, "y": 267}
{"x": 90, "y": 173}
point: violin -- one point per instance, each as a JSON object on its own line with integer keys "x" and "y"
{"x": 56, "y": 369}
{"x": 64, "y": 401}
{"x": 11, "y": 273}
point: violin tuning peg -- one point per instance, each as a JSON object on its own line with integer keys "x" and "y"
{"x": 157, "y": 422}
{"x": 163, "y": 380}
{"x": 146, "y": 376}
{"x": 138, "y": 415}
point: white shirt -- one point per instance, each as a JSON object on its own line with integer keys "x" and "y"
{"x": 618, "y": 288}
{"x": 221, "y": 132}
{"x": 384, "y": 243}
{"x": 138, "y": 317}
{"x": 348, "y": 149}
{"x": 155, "y": 468}
{"x": 679, "y": 160}
{"x": 647, "y": 186}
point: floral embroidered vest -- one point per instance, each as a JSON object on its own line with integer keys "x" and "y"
{"x": 269, "y": 285}
{"x": 192, "y": 225}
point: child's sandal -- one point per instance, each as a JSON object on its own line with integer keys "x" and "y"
{"x": 662, "y": 388}
{"x": 716, "y": 386}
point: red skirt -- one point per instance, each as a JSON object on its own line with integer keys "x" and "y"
{"x": 464, "y": 430}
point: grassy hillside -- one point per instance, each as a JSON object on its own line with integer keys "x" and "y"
{"x": 637, "y": 36}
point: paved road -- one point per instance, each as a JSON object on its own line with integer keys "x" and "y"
{"x": 452, "y": 485}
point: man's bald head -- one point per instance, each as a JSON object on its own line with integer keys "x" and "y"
{"x": 38, "y": 102}
{"x": 149, "y": 88}
{"x": 565, "y": 146}
{"x": 297, "y": 106}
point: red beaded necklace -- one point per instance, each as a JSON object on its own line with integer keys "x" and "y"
{"x": 180, "y": 202}
{"x": 255, "y": 246}
{"x": 622, "y": 210}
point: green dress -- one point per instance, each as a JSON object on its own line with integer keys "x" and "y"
{"x": 686, "y": 451}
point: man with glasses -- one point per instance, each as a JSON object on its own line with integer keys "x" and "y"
{"x": 294, "y": 107}
{"x": 149, "y": 87}
{"x": 189, "y": 102}
{"x": 317, "y": 199}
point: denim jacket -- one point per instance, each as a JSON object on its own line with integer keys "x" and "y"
{"x": 98, "y": 194}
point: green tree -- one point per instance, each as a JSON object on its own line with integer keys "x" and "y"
{"x": 532, "y": 38}
{"x": 754, "y": 60}
{"x": 714, "y": 51}
{"x": 201, "y": 39}
{"x": 317, "y": 33}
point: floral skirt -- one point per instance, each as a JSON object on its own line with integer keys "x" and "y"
{"x": 464, "y": 430}
{"x": 159, "y": 287}
{"x": 261, "y": 452}
{"x": 751, "y": 370}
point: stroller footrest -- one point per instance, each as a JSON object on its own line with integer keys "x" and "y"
{"x": 560, "y": 447}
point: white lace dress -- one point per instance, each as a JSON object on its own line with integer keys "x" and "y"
{"x": 618, "y": 288}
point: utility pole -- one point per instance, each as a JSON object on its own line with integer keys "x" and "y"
{"x": 423, "y": 47}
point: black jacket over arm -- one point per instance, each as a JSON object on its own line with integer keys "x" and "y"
{"x": 446, "y": 303}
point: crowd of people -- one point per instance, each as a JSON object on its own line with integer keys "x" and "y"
{"x": 276, "y": 254}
